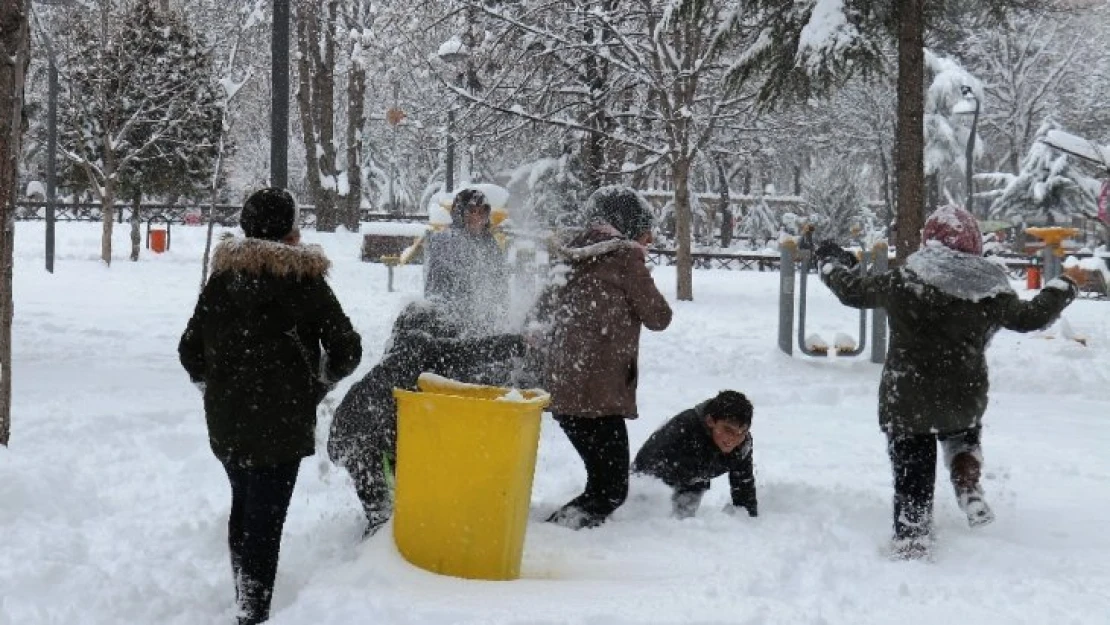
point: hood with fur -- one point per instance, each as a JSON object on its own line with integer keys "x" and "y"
{"x": 259, "y": 256}
{"x": 592, "y": 242}
{"x": 963, "y": 276}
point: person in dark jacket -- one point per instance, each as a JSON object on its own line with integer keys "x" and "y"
{"x": 699, "y": 444}
{"x": 363, "y": 437}
{"x": 266, "y": 341}
{"x": 944, "y": 305}
{"x": 465, "y": 269}
{"x": 590, "y": 328}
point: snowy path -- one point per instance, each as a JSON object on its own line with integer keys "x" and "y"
{"x": 113, "y": 509}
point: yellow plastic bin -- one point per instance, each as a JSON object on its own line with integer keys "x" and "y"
{"x": 465, "y": 459}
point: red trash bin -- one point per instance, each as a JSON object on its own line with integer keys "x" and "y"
{"x": 157, "y": 241}
{"x": 1033, "y": 278}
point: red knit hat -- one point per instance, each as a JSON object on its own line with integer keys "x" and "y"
{"x": 954, "y": 228}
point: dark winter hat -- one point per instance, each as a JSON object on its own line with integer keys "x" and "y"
{"x": 954, "y": 228}
{"x": 268, "y": 214}
{"x": 621, "y": 207}
{"x": 464, "y": 201}
{"x": 731, "y": 406}
{"x": 426, "y": 318}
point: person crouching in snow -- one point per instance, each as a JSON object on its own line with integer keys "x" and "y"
{"x": 699, "y": 444}
{"x": 944, "y": 305}
{"x": 255, "y": 343}
{"x": 363, "y": 436}
{"x": 591, "y": 355}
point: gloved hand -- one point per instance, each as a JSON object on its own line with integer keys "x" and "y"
{"x": 1077, "y": 275}
{"x": 829, "y": 251}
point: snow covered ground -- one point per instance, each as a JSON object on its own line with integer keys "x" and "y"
{"x": 113, "y": 510}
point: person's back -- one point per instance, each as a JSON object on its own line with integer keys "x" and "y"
{"x": 267, "y": 340}
{"x": 944, "y": 305}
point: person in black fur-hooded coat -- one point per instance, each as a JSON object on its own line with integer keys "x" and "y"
{"x": 267, "y": 340}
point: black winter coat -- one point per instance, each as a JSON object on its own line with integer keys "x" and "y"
{"x": 683, "y": 455}
{"x": 365, "y": 424}
{"x": 943, "y": 308}
{"x": 255, "y": 342}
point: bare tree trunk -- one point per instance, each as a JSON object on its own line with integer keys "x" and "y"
{"x": 683, "y": 261}
{"x": 888, "y": 196}
{"x": 107, "y": 214}
{"x": 211, "y": 224}
{"x": 136, "y": 203}
{"x": 356, "y": 118}
{"x": 909, "y": 165}
{"x": 723, "y": 203}
{"x": 315, "y": 66}
{"x": 15, "y": 48}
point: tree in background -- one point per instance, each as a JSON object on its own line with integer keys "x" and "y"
{"x": 1027, "y": 66}
{"x": 1048, "y": 187}
{"x": 143, "y": 113}
{"x": 833, "y": 190}
{"x": 948, "y": 117}
{"x": 15, "y": 54}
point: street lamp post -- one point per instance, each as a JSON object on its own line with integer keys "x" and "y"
{"x": 51, "y": 135}
{"x": 968, "y": 94}
{"x": 454, "y": 52}
{"x": 279, "y": 97}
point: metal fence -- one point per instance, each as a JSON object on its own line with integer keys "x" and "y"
{"x": 222, "y": 214}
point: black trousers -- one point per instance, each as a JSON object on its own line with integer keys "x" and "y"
{"x": 259, "y": 502}
{"x": 365, "y": 459}
{"x": 602, "y": 443}
{"x": 913, "y": 458}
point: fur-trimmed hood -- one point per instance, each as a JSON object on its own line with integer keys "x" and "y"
{"x": 598, "y": 240}
{"x": 259, "y": 256}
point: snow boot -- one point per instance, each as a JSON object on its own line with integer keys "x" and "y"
{"x": 912, "y": 548}
{"x": 975, "y": 507}
{"x": 575, "y": 518}
{"x": 965, "y": 470}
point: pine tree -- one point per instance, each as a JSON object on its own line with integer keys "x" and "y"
{"x": 144, "y": 111}
{"x": 1048, "y": 188}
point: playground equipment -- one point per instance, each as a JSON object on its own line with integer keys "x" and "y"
{"x": 465, "y": 459}
{"x": 1053, "y": 252}
{"x": 799, "y": 258}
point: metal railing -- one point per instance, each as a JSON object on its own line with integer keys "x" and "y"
{"x": 223, "y": 214}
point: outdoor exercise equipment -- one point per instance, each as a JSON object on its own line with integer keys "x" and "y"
{"x": 1053, "y": 252}
{"x": 794, "y": 267}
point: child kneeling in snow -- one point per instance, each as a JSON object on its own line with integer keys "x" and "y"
{"x": 699, "y": 444}
{"x": 363, "y": 437}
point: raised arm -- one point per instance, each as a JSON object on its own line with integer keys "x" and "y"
{"x": 1026, "y": 316}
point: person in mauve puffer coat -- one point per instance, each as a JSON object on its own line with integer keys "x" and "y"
{"x": 266, "y": 342}
{"x": 944, "y": 305}
{"x": 591, "y": 324}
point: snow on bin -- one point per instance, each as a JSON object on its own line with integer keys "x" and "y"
{"x": 465, "y": 458}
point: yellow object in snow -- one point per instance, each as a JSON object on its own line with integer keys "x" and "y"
{"x": 465, "y": 459}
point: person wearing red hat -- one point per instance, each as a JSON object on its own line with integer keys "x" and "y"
{"x": 944, "y": 304}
